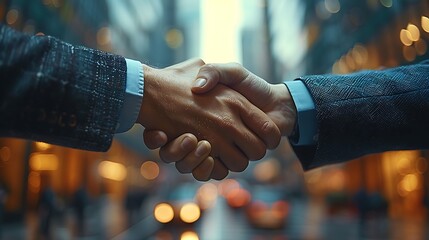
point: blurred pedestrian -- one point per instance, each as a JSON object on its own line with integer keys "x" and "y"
{"x": 47, "y": 207}
{"x": 80, "y": 202}
{"x": 3, "y": 199}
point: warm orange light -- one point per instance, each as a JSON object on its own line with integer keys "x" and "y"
{"x": 149, "y": 170}
{"x": 421, "y": 165}
{"x": 5, "y": 154}
{"x": 34, "y": 181}
{"x": 280, "y": 209}
{"x": 12, "y": 16}
{"x": 421, "y": 47}
{"x": 405, "y": 37}
{"x": 43, "y": 146}
{"x": 360, "y": 54}
{"x": 409, "y": 53}
{"x": 163, "y": 213}
{"x": 112, "y": 170}
{"x": 238, "y": 197}
{"x": 402, "y": 165}
{"x": 336, "y": 180}
{"x": 425, "y": 24}
{"x": 43, "y": 162}
{"x": 103, "y": 36}
{"x": 410, "y": 182}
{"x": 163, "y": 235}
{"x": 266, "y": 170}
{"x": 207, "y": 195}
{"x": 313, "y": 176}
{"x": 227, "y": 185}
{"x": 189, "y": 235}
{"x": 414, "y": 32}
{"x": 174, "y": 38}
{"x": 190, "y": 212}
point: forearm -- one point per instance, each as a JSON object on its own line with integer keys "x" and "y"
{"x": 369, "y": 112}
{"x": 55, "y": 92}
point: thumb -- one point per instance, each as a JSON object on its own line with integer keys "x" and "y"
{"x": 235, "y": 76}
{"x": 207, "y": 78}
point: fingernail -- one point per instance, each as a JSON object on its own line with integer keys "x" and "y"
{"x": 200, "y": 82}
{"x": 201, "y": 149}
{"x": 186, "y": 143}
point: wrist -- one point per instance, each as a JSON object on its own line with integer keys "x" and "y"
{"x": 144, "y": 113}
{"x": 286, "y": 118}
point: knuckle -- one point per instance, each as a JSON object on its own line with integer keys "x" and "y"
{"x": 259, "y": 153}
{"x": 182, "y": 168}
{"x": 166, "y": 156}
{"x": 235, "y": 65}
{"x": 268, "y": 128}
{"x": 209, "y": 67}
{"x": 199, "y": 61}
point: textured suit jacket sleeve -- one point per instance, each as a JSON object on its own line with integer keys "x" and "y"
{"x": 368, "y": 112}
{"x": 59, "y": 93}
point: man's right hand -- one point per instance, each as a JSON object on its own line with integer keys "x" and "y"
{"x": 274, "y": 100}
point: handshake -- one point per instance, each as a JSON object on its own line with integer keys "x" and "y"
{"x": 212, "y": 119}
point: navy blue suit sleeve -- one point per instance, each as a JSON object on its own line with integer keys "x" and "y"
{"x": 368, "y": 112}
{"x": 59, "y": 93}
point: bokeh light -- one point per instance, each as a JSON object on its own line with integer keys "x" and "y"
{"x": 12, "y": 16}
{"x": 409, "y": 53}
{"x": 267, "y": 170}
{"x": 333, "y": 6}
{"x": 410, "y": 182}
{"x": 189, "y": 235}
{"x": 34, "y": 181}
{"x": 190, "y": 212}
{"x": 163, "y": 213}
{"x": 425, "y": 23}
{"x": 386, "y": 3}
{"x": 103, "y": 36}
{"x": 227, "y": 185}
{"x": 421, "y": 47}
{"x": 43, "y": 162}
{"x": 43, "y": 146}
{"x": 149, "y": 170}
{"x": 238, "y": 197}
{"x": 405, "y": 37}
{"x": 414, "y": 32}
{"x": 5, "y": 154}
{"x": 207, "y": 195}
{"x": 112, "y": 170}
{"x": 174, "y": 38}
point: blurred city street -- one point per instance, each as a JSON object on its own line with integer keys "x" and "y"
{"x": 307, "y": 220}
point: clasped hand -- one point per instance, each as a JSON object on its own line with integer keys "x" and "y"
{"x": 209, "y": 129}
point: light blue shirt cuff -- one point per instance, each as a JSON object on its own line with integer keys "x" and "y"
{"x": 133, "y": 96}
{"x": 306, "y": 113}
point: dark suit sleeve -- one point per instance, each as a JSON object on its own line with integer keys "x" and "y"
{"x": 368, "y": 112}
{"x": 59, "y": 93}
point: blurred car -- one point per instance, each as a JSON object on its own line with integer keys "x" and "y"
{"x": 179, "y": 206}
{"x": 268, "y": 208}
